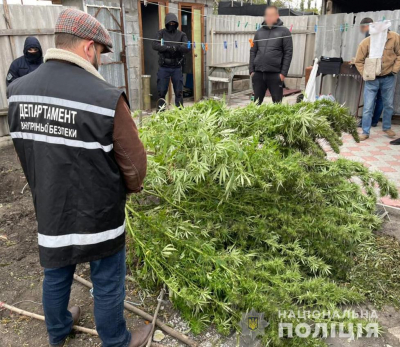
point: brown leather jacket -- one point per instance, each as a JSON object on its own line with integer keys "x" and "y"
{"x": 128, "y": 149}
{"x": 390, "y": 58}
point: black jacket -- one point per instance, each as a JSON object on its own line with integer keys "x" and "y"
{"x": 61, "y": 121}
{"x": 171, "y": 53}
{"x": 272, "y": 55}
{"x": 26, "y": 63}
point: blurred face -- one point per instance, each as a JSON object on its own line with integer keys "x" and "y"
{"x": 364, "y": 28}
{"x": 271, "y": 16}
{"x": 33, "y": 50}
{"x": 172, "y": 23}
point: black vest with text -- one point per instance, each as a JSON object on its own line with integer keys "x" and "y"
{"x": 61, "y": 121}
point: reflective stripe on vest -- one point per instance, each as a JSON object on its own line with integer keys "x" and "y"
{"x": 60, "y": 141}
{"x": 79, "y": 239}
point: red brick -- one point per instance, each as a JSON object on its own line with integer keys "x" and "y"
{"x": 384, "y": 148}
{"x": 347, "y": 154}
{"x": 370, "y": 158}
{"x": 390, "y": 202}
{"x": 354, "y": 149}
{"x": 387, "y": 169}
{"x": 376, "y": 152}
{"x": 393, "y": 163}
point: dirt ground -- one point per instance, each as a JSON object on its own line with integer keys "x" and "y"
{"x": 21, "y": 278}
{"x": 21, "y": 274}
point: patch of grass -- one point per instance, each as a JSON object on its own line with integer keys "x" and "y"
{"x": 376, "y": 273}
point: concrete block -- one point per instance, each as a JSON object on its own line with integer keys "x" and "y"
{"x": 132, "y": 27}
{"x": 241, "y": 84}
{"x": 4, "y": 129}
{"x": 293, "y": 83}
{"x": 131, "y": 17}
{"x": 133, "y": 62}
{"x": 134, "y": 75}
{"x": 132, "y": 51}
{"x": 5, "y": 141}
{"x": 130, "y": 4}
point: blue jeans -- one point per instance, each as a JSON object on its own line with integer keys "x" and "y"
{"x": 108, "y": 277}
{"x": 386, "y": 86}
{"x": 378, "y": 108}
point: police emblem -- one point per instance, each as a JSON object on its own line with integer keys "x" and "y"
{"x": 253, "y": 324}
{"x": 9, "y": 76}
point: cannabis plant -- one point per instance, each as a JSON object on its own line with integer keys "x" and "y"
{"x": 242, "y": 209}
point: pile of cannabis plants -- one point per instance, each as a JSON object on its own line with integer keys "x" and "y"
{"x": 242, "y": 209}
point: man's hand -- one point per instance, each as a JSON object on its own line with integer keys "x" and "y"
{"x": 171, "y": 49}
{"x": 282, "y": 77}
{"x": 252, "y": 74}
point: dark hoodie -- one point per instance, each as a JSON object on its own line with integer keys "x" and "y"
{"x": 171, "y": 53}
{"x": 27, "y": 63}
{"x": 272, "y": 55}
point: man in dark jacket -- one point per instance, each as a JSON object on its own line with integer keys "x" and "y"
{"x": 270, "y": 56}
{"x": 172, "y": 46}
{"x": 81, "y": 154}
{"x": 27, "y": 63}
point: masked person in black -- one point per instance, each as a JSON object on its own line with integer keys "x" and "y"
{"x": 171, "y": 59}
{"x": 30, "y": 61}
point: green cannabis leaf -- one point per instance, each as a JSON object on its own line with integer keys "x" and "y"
{"x": 242, "y": 210}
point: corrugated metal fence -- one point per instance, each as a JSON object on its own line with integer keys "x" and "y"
{"x": 109, "y": 14}
{"x": 40, "y": 21}
{"x": 333, "y": 42}
{"x": 33, "y": 20}
{"x": 232, "y": 28}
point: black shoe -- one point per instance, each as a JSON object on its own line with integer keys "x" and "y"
{"x": 141, "y": 335}
{"x": 375, "y": 125}
{"x": 395, "y": 142}
{"x": 76, "y": 315}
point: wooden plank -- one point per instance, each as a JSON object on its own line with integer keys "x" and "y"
{"x": 26, "y": 32}
{"x": 8, "y": 25}
{"x": 229, "y": 65}
{"x": 218, "y": 79}
{"x": 197, "y": 53}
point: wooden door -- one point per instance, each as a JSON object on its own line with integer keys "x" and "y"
{"x": 197, "y": 37}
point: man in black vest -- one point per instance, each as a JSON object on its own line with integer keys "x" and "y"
{"x": 171, "y": 59}
{"x": 27, "y": 63}
{"x": 81, "y": 154}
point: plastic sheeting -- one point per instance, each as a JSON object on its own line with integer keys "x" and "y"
{"x": 311, "y": 90}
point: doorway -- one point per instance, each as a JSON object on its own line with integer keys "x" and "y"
{"x": 191, "y": 21}
{"x": 186, "y": 27}
{"x": 151, "y": 19}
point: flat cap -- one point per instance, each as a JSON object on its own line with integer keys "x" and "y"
{"x": 85, "y": 26}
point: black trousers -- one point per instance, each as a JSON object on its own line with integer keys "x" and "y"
{"x": 267, "y": 80}
{"x": 164, "y": 75}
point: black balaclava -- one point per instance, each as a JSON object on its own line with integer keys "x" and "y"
{"x": 170, "y": 17}
{"x": 33, "y": 58}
